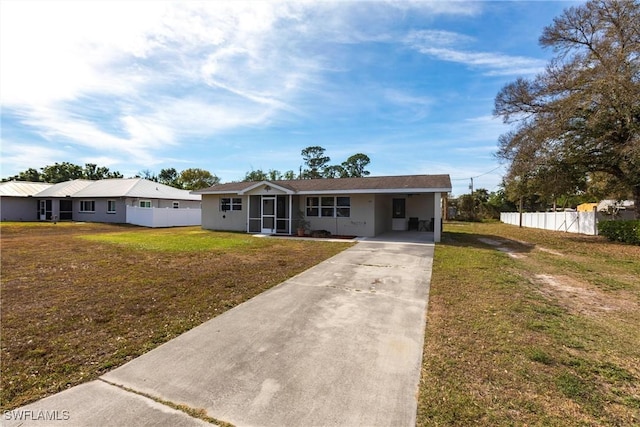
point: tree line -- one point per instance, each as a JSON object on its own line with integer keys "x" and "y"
{"x": 65, "y": 171}
{"x": 317, "y": 166}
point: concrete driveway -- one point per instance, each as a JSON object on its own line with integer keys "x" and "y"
{"x": 338, "y": 345}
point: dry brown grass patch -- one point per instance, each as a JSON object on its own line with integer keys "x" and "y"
{"x": 72, "y": 309}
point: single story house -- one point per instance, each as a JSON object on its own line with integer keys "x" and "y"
{"x": 363, "y": 207}
{"x": 111, "y": 200}
{"x": 17, "y": 202}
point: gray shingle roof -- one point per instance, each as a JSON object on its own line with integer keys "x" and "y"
{"x": 379, "y": 184}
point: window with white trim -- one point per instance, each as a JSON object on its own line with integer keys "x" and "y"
{"x": 176, "y": 205}
{"x": 329, "y": 206}
{"x": 145, "y": 203}
{"x": 230, "y": 204}
{"x": 87, "y": 206}
{"x": 343, "y": 207}
{"x": 111, "y": 206}
{"x": 313, "y": 204}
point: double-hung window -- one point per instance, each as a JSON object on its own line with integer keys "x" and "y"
{"x": 176, "y": 205}
{"x": 313, "y": 204}
{"x": 329, "y": 206}
{"x": 343, "y": 207}
{"x": 111, "y": 206}
{"x": 230, "y": 204}
{"x": 87, "y": 206}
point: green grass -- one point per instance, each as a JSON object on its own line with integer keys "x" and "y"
{"x": 504, "y": 348}
{"x": 81, "y": 299}
{"x": 186, "y": 241}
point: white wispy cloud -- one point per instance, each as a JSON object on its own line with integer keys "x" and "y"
{"x": 446, "y": 46}
{"x": 139, "y": 139}
{"x": 130, "y": 79}
{"x": 493, "y": 63}
{"x": 421, "y": 39}
{"x": 22, "y": 155}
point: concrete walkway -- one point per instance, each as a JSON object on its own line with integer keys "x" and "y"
{"x": 338, "y": 345}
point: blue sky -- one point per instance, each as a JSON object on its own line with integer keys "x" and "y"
{"x": 232, "y": 87}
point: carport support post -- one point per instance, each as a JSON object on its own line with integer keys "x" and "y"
{"x": 437, "y": 216}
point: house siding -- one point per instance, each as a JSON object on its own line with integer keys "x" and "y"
{"x": 215, "y": 219}
{"x": 382, "y": 207}
{"x": 419, "y": 206}
{"x": 18, "y": 209}
{"x": 371, "y": 202}
{"x": 120, "y": 215}
{"x": 100, "y": 214}
{"x": 361, "y": 222}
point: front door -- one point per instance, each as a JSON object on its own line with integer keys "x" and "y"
{"x": 398, "y": 222}
{"x": 268, "y": 214}
{"x": 45, "y": 210}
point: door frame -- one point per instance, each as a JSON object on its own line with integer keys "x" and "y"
{"x": 45, "y": 209}
{"x": 269, "y": 217}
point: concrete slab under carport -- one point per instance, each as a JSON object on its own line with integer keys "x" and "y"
{"x": 417, "y": 237}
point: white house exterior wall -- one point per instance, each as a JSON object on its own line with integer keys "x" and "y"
{"x": 419, "y": 206}
{"x": 215, "y": 219}
{"x": 100, "y": 214}
{"x": 360, "y": 223}
{"x": 18, "y": 208}
{"x": 382, "y": 209}
{"x": 163, "y": 203}
{"x": 370, "y": 214}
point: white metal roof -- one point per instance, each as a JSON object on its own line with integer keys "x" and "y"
{"x": 134, "y": 187}
{"x": 117, "y": 187}
{"x": 64, "y": 189}
{"x": 22, "y": 188}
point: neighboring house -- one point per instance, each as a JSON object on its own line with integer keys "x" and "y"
{"x": 133, "y": 200}
{"x": 616, "y": 209}
{"x": 17, "y": 202}
{"x": 363, "y": 207}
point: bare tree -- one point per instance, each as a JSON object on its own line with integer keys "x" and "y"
{"x": 582, "y": 115}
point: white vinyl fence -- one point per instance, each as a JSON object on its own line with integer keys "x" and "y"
{"x": 163, "y": 217}
{"x": 570, "y": 222}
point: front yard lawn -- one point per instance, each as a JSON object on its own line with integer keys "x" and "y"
{"x": 531, "y": 327}
{"x": 81, "y": 299}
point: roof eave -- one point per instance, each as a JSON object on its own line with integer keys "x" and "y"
{"x": 379, "y": 191}
{"x": 266, "y": 183}
{"x": 349, "y": 191}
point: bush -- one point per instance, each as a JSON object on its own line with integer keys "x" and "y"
{"x": 621, "y": 231}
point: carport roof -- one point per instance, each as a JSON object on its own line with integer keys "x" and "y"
{"x": 379, "y": 184}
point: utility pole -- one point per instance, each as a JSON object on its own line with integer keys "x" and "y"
{"x": 473, "y": 202}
